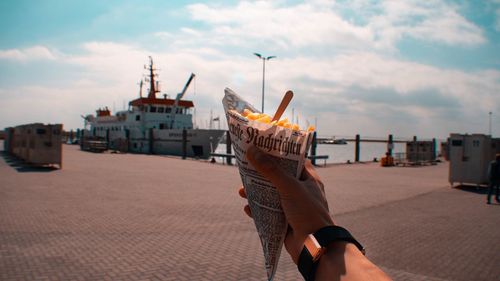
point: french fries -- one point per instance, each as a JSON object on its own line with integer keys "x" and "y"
{"x": 264, "y": 118}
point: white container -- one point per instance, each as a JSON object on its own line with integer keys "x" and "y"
{"x": 37, "y": 143}
{"x": 470, "y": 156}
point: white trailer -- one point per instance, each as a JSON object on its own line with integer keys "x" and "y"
{"x": 470, "y": 156}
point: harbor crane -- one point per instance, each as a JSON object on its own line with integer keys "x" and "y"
{"x": 178, "y": 98}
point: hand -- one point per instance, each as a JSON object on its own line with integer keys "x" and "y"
{"x": 303, "y": 200}
{"x": 306, "y": 210}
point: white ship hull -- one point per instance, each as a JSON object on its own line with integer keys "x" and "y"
{"x": 199, "y": 142}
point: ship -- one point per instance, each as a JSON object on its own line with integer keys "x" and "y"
{"x": 153, "y": 125}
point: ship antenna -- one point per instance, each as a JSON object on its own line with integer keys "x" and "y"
{"x": 140, "y": 88}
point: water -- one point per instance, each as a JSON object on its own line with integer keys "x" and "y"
{"x": 367, "y": 151}
{"x": 343, "y": 153}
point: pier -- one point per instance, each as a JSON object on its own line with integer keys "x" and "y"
{"x": 227, "y": 155}
{"x": 390, "y": 141}
{"x": 148, "y": 217}
{"x": 353, "y": 139}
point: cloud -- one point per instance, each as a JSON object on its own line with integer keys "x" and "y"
{"x": 163, "y": 35}
{"x": 430, "y": 99}
{"x": 31, "y": 53}
{"x": 434, "y": 21}
{"x": 380, "y": 90}
{"x": 30, "y": 104}
{"x": 347, "y": 93}
{"x": 354, "y": 84}
{"x": 294, "y": 26}
{"x": 110, "y": 61}
{"x": 107, "y": 74}
{"x": 353, "y": 25}
{"x": 374, "y": 71}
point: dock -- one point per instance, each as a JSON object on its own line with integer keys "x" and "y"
{"x": 351, "y": 139}
{"x": 146, "y": 217}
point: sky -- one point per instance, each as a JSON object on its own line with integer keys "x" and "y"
{"x": 407, "y": 68}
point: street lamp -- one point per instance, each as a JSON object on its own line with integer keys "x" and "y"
{"x": 490, "y": 125}
{"x": 263, "y": 73}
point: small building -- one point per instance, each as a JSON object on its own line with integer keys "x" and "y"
{"x": 36, "y": 143}
{"x": 421, "y": 151}
{"x": 470, "y": 156}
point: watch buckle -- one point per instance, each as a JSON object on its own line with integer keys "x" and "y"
{"x": 313, "y": 247}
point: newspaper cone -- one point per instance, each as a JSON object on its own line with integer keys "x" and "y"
{"x": 289, "y": 149}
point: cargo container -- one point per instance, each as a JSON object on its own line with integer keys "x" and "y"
{"x": 420, "y": 152}
{"x": 37, "y": 144}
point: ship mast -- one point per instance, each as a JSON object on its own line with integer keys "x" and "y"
{"x": 152, "y": 84}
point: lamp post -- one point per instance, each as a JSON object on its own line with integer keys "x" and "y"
{"x": 490, "y": 124}
{"x": 263, "y": 73}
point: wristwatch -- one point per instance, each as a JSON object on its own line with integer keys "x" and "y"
{"x": 315, "y": 246}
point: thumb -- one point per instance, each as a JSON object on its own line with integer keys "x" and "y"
{"x": 268, "y": 167}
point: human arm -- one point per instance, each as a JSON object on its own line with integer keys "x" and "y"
{"x": 306, "y": 210}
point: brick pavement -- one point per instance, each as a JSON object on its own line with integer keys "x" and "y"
{"x": 447, "y": 234}
{"x": 140, "y": 217}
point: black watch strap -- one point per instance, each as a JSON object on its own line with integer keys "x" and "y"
{"x": 307, "y": 264}
{"x": 332, "y": 233}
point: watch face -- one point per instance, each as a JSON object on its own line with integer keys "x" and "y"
{"x": 313, "y": 247}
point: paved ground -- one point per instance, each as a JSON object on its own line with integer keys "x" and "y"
{"x": 139, "y": 217}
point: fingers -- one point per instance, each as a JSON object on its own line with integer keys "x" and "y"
{"x": 306, "y": 172}
{"x": 242, "y": 192}
{"x": 247, "y": 211}
{"x": 310, "y": 169}
{"x": 310, "y": 174}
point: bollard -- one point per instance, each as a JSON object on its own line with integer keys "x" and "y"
{"x": 390, "y": 145}
{"x": 184, "y": 144}
{"x": 228, "y": 148}
{"x": 415, "y": 145}
{"x": 356, "y": 151}
{"x": 434, "y": 154}
{"x": 313, "y": 148}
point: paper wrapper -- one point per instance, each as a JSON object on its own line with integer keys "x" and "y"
{"x": 289, "y": 148}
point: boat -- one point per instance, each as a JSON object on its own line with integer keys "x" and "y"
{"x": 339, "y": 141}
{"x": 333, "y": 141}
{"x": 154, "y": 125}
{"x": 327, "y": 141}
